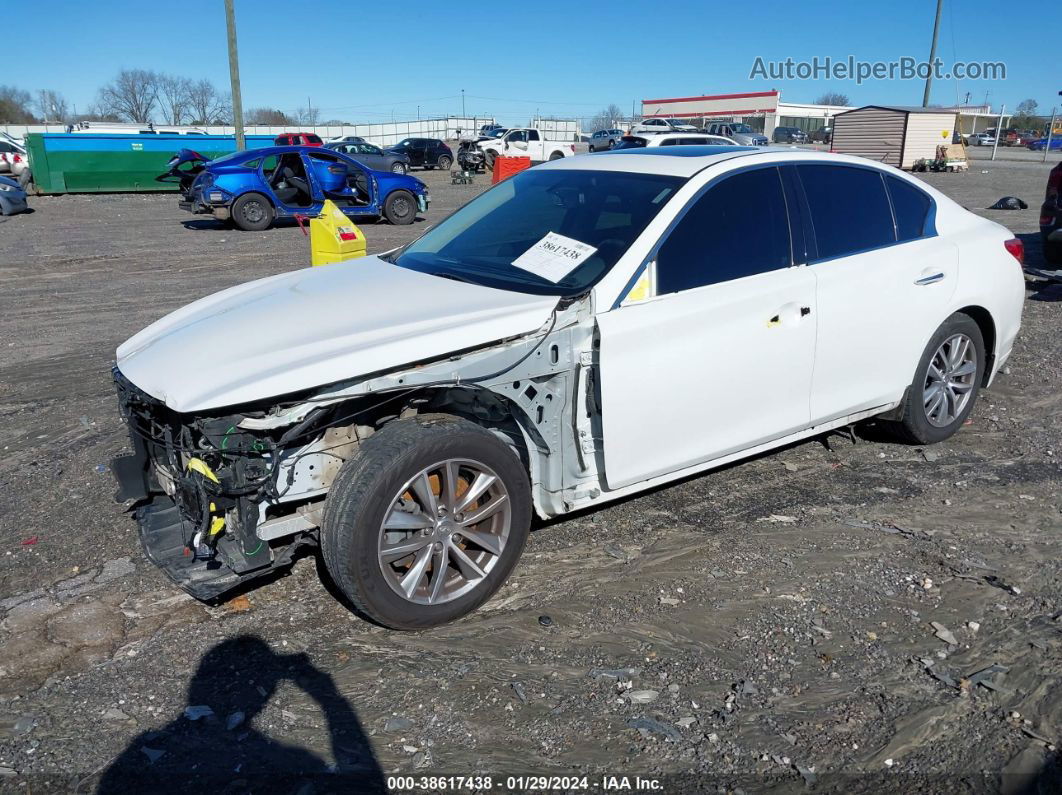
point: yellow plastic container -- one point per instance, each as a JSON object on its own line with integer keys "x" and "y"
{"x": 334, "y": 237}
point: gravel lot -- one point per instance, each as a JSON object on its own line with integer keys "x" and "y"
{"x": 769, "y": 624}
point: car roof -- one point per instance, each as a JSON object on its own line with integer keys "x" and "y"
{"x": 685, "y": 161}
{"x": 266, "y": 151}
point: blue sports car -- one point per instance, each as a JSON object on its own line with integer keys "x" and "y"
{"x": 258, "y": 186}
{"x": 1041, "y": 144}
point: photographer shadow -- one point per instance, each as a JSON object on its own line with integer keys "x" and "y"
{"x": 226, "y": 752}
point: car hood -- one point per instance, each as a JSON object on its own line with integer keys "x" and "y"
{"x": 313, "y": 327}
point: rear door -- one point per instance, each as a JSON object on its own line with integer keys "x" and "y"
{"x": 885, "y": 281}
{"x": 719, "y": 358}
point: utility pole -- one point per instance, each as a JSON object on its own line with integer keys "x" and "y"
{"x": 234, "y": 77}
{"x": 462, "y": 103}
{"x": 309, "y": 113}
{"x": 1050, "y": 130}
{"x": 999, "y": 129}
{"x": 932, "y": 55}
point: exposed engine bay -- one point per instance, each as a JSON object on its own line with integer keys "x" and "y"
{"x": 222, "y": 498}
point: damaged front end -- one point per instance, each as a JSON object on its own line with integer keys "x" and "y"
{"x": 203, "y": 486}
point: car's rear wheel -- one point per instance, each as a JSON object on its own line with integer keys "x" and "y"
{"x": 426, "y": 522}
{"x": 398, "y": 168}
{"x": 1053, "y": 252}
{"x": 946, "y": 382}
{"x": 445, "y": 162}
{"x": 556, "y": 156}
{"x": 400, "y": 208}
{"x": 252, "y": 212}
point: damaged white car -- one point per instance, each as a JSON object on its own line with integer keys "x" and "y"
{"x": 583, "y": 331}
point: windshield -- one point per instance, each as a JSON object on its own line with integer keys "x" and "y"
{"x": 677, "y": 123}
{"x": 605, "y": 210}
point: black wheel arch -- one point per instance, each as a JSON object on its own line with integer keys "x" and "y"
{"x": 983, "y": 318}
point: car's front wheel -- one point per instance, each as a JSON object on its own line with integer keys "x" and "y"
{"x": 946, "y": 382}
{"x": 426, "y": 522}
{"x": 252, "y": 212}
{"x": 398, "y": 168}
{"x": 400, "y": 208}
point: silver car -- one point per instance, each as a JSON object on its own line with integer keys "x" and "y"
{"x": 740, "y": 132}
{"x": 604, "y": 139}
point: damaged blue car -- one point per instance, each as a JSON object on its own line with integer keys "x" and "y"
{"x": 256, "y": 187}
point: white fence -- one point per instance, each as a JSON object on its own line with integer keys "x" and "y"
{"x": 382, "y": 134}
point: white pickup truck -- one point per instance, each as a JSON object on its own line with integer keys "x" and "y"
{"x": 525, "y": 142}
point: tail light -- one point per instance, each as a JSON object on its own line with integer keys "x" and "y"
{"x": 1054, "y": 183}
{"x": 1046, "y": 219}
{"x": 1016, "y": 249}
{"x": 18, "y": 158}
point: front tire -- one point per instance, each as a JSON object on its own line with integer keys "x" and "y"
{"x": 400, "y": 208}
{"x": 946, "y": 382}
{"x": 426, "y": 521}
{"x": 398, "y": 168}
{"x": 252, "y": 212}
{"x": 488, "y": 159}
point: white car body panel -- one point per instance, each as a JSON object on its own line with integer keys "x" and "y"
{"x": 712, "y": 354}
{"x": 316, "y": 326}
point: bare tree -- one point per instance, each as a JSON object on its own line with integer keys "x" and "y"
{"x": 267, "y": 116}
{"x": 832, "y": 98}
{"x": 15, "y": 106}
{"x": 607, "y": 118}
{"x": 174, "y": 98}
{"x": 206, "y": 105}
{"x": 52, "y": 105}
{"x": 307, "y": 116}
{"x": 132, "y": 95}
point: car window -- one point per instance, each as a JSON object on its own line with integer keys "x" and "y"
{"x": 849, "y": 209}
{"x": 269, "y": 165}
{"x": 910, "y": 206}
{"x": 669, "y": 142}
{"x": 606, "y": 210}
{"x": 532, "y": 135}
{"x": 630, "y": 142}
{"x": 369, "y": 149}
{"x": 252, "y": 164}
{"x": 737, "y": 228}
{"x": 313, "y": 139}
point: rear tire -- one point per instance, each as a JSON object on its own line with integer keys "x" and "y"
{"x": 946, "y": 382}
{"x": 556, "y": 156}
{"x": 445, "y": 162}
{"x": 252, "y": 212}
{"x": 400, "y": 208}
{"x": 378, "y": 487}
{"x": 398, "y": 168}
{"x": 1053, "y": 252}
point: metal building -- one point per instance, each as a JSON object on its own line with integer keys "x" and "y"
{"x": 892, "y": 134}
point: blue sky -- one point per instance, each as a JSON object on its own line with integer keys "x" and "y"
{"x": 364, "y": 61}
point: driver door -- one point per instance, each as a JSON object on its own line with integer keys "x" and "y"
{"x": 718, "y": 358}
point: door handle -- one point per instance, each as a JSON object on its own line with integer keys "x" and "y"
{"x": 931, "y": 279}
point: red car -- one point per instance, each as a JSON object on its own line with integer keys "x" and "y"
{"x": 298, "y": 139}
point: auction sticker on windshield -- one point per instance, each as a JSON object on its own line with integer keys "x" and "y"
{"x": 553, "y": 257}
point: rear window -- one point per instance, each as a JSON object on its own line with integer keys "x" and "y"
{"x": 630, "y": 142}
{"x": 910, "y": 206}
{"x": 849, "y": 209}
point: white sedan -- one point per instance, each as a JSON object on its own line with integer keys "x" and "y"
{"x": 586, "y": 330}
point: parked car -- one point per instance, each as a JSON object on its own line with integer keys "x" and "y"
{"x": 1051, "y": 223}
{"x": 1041, "y": 143}
{"x": 789, "y": 135}
{"x": 8, "y": 152}
{"x": 426, "y": 153}
{"x": 823, "y": 135}
{"x": 604, "y": 139}
{"x": 298, "y": 139}
{"x": 372, "y": 156}
{"x": 407, "y": 415}
{"x": 12, "y": 197}
{"x": 661, "y": 126}
{"x": 346, "y": 139}
{"x": 256, "y": 187}
{"x": 525, "y": 142}
{"x": 672, "y": 139}
{"x": 740, "y": 132}
{"x": 985, "y": 138}
{"x": 488, "y": 129}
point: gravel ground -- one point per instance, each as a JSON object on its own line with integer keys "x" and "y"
{"x": 770, "y": 624}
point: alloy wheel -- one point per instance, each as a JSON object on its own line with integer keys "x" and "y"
{"x": 949, "y": 380}
{"x": 444, "y": 531}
